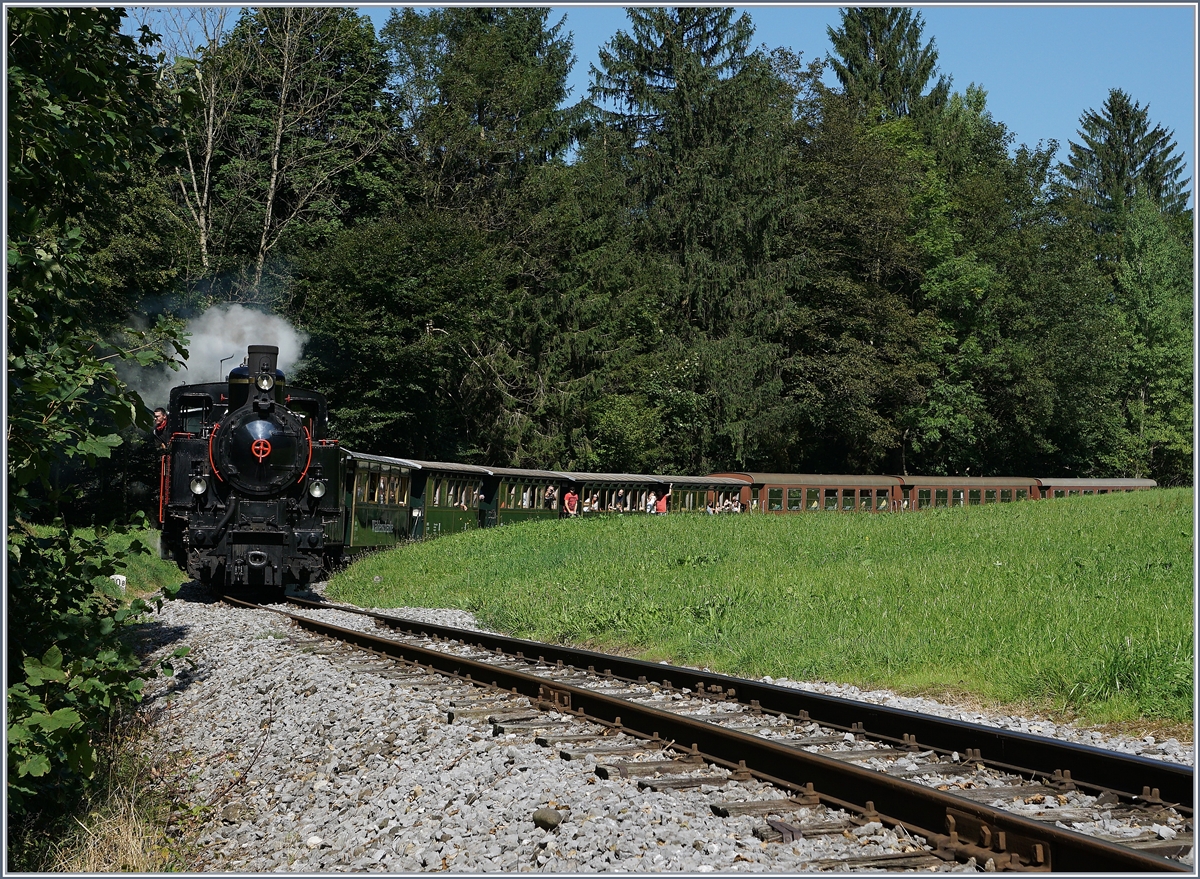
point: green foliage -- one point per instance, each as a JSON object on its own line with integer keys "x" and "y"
{"x": 1081, "y": 597}
{"x": 1154, "y": 300}
{"x": 65, "y": 622}
{"x": 82, "y": 115}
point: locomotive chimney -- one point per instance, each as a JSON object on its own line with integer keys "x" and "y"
{"x": 262, "y": 358}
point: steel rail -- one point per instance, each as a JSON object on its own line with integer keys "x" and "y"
{"x": 1136, "y": 778}
{"x": 971, "y": 829}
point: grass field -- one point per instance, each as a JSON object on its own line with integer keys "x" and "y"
{"x": 1078, "y": 604}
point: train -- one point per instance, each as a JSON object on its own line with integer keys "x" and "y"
{"x": 255, "y": 496}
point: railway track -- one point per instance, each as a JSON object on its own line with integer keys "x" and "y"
{"x": 1006, "y": 800}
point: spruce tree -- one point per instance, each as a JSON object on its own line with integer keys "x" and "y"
{"x": 667, "y": 64}
{"x": 1120, "y": 155}
{"x": 882, "y": 64}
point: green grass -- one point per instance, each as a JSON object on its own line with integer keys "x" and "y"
{"x": 1080, "y": 603}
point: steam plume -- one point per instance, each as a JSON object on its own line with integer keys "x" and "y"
{"x": 216, "y": 334}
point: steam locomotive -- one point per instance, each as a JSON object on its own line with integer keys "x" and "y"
{"x": 248, "y": 484}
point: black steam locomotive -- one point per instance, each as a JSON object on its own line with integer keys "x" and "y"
{"x": 249, "y": 493}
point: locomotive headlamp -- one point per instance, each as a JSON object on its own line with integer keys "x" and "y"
{"x": 265, "y": 381}
{"x": 198, "y": 485}
{"x": 316, "y": 488}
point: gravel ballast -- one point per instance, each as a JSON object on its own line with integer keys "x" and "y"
{"x": 297, "y": 757}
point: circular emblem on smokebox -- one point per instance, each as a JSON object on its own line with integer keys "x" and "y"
{"x": 260, "y": 448}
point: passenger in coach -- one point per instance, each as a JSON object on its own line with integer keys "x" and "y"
{"x": 571, "y": 502}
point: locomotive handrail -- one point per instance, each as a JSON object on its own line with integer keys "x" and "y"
{"x": 304, "y": 472}
{"x": 212, "y": 436}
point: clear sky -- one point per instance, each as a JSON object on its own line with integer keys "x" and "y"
{"x": 1042, "y": 66}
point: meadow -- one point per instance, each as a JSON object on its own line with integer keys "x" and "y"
{"x": 1083, "y": 605}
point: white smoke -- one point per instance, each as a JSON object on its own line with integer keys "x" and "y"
{"x": 220, "y": 334}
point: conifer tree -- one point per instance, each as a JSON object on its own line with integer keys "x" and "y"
{"x": 882, "y": 64}
{"x": 1120, "y": 155}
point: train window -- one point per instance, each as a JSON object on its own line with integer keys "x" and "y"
{"x": 924, "y": 498}
{"x": 847, "y": 499}
{"x": 957, "y": 497}
{"x": 881, "y": 499}
{"x": 1022, "y": 494}
{"x": 437, "y": 493}
{"x": 812, "y": 498}
{"x": 831, "y": 499}
{"x": 1005, "y": 495}
{"x": 989, "y": 496}
{"x": 1058, "y": 492}
{"x": 864, "y": 499}
{"x": 360, "y": 485}
{"x": 774, "y": 498}
{"x": 941, "y": 497}
{"x": 795, "y": 499}
{"x": 975, "y": 497}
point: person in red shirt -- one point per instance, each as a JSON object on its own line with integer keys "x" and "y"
{"x": 571, "y": 502}
{"x": 660, "y": 505}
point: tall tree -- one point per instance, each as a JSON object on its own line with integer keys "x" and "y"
{"x": 309, "y": 114}
{"x": 658, "y": 74}
{"x": 700, "y": 125}
{"x": 216, "y": 76}
{"x": 1154, "y": 298}
{"x": 882, "y": 64}
{"x": 1119, "y": 156}
{"x": 479, "y": 93}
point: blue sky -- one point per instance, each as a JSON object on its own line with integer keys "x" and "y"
{"x": 1042, "y": 66}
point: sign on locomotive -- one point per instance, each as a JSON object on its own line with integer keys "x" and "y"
{"x": 254, "y": 495}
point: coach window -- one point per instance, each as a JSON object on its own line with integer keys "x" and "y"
{"x": 924, "y": 498}
{"x": 437, "y": 492}
{"x": 1022, "y": 494}
{"x": 831, "y": 499}
{"x": 812, "y": 498}
{"x": 975, "y": 497}
{"x": 941, "y": 497}
{"x": 360, "y": 485}
{"x": 881, "y": 499}
{"x": 989, "y": 496}
{"x": 1005, "y": 495}
{"x": 847, "y": 499}
{"x": 794, "y": 499}
{"x": 774, "y": 498}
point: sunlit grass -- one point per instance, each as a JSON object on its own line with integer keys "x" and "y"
{"x": 1082, "y": 603}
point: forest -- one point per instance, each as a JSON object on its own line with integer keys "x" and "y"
{"x": 710, "y": 261}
